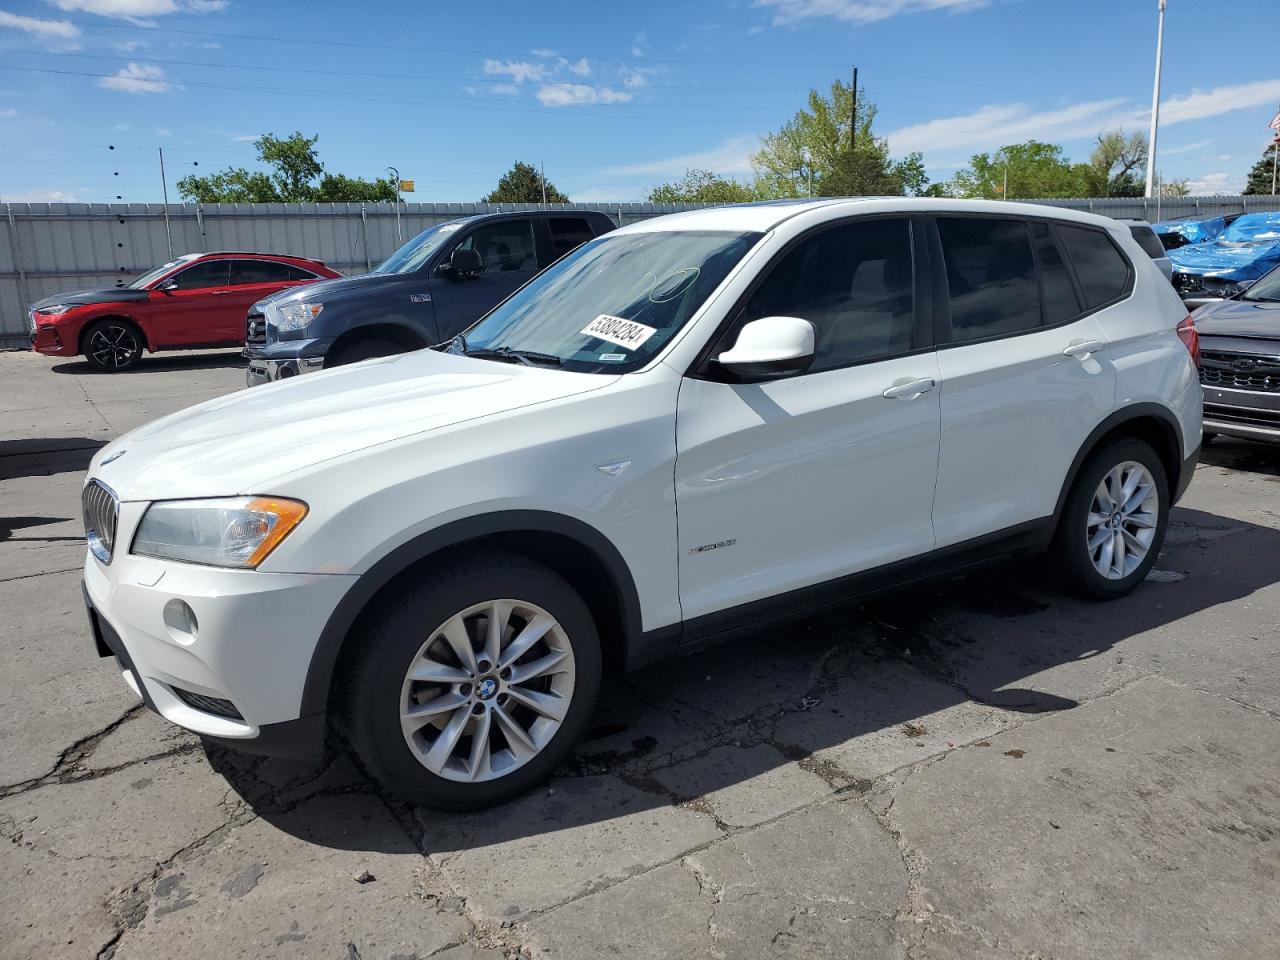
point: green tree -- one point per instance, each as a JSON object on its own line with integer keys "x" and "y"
{"x": 1259, "y": 181}
{"x": 523, "y": 184}
{"x": 702, "y": 186}
{"x": 1033, "y": 169}
{"x": 292, "y": 169}
{"x": 1114, "y": 161}
{"x": 811, "y": 152}
{"x": 1174, "y": 188}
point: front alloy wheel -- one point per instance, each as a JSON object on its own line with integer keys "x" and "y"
{"x": 471, "y": 682}
{"x": 488, "y": 691}
{"x": 113, "y": 346}
{"x": 1122, "y": 523}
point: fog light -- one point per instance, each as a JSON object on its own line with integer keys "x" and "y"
{"x": 181, "y": 621}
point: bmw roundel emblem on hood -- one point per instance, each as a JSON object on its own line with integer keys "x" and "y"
{"x": 115, "y": 456}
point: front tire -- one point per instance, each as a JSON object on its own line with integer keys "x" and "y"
{"x": 362, "y": 350}
{"x": 112, "y": 345}
{"x": 472, "y": 684}
{"x": 1114, "y": 522}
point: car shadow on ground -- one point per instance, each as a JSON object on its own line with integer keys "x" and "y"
{"x": 164, "y": 362}
{"x": 46, "y": 456}
{"x": 1246, "y": 456}
{"x": 877, "y": 685}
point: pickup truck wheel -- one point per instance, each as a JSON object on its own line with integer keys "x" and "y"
{"x": 473, "y": 683}
{"x": 1114, "y": 522}
{"x": 362, "y": 350}
{"x": 112, "y": 345}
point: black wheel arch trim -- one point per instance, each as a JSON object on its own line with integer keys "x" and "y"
{"x": 1136, "y": 411}
{"x": 315, "y": 694}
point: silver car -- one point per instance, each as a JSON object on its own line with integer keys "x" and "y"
{"x": 1151, "y": 245}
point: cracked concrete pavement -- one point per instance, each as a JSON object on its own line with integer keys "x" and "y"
{"x": 981, "y": 767}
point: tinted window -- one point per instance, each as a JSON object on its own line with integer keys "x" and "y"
{"x": 853, "y": 283}
{"x": 567, "y": 233}
{"x": 1102, "y": 271}
{"x": 1058, "y": 298}
{"x": 261, "y": 271}
{"x": 211, "y": 273}
{"x": 504, "y": 246}
{"x": 991, "y": 276}
{"x": 1147, "y": 240}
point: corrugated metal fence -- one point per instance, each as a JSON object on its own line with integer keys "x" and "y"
{"x": 56, "y": 247}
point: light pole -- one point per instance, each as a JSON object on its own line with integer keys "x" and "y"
{"x": 395, "y": 174}
{"x": 1155, "y": 106}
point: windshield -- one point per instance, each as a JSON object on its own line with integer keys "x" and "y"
{"x": 417, "y": 251}
{"x": 151, "y": 276}
{"x": 1255, "y": 228}
{"x": 1266, "y": 289}
{"x": 613, "y": 303}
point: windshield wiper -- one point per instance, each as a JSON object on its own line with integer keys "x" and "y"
{"x": 505, "y": 354}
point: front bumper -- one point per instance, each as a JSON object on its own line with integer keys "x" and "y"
{"x": 279, "y": 361}
{"x": 252, "y": 647}
{"x": 48, "y": 338}
{"x": 1248, "y": 414}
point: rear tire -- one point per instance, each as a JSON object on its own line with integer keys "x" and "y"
{"x": 362, "y": 350}
{"x": 430, "y": 680}
{"x": 112, "y": 345}
{"x": 1114, "y": 521}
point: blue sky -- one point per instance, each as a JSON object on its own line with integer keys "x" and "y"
{"x": 612, "y": 96}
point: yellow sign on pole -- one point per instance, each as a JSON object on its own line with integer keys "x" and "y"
{"x": 406, "y": 186}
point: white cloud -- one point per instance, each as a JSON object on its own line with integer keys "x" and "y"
{"x": 633, "y": 77}
{"x": 1184, "y": 148}
{"x": 638, "y": 45}
{"x": 994, "y": 125}
{"x": 860, "y": 11}
{"x": 40, "y": 196}
{"x": 134, "y": 9}
{"x": 573, "y": 94}
{"x": 1215, "y": 183}
{"x": 627, "y": 193}
{"x": 544, "y": 52}
{"x": 517, "y": 70}
{"x": 1211, "y": 103}
{"x": 730, "y": 157}
{"x": 8, "y": 113}
{"x": 581, "y": 69}
{"x": 162, "y": 132}
{"x": 45, "y": 29}
{"x": 123, "y": 126}
{"x": 243, "y": 137}
{"x": 137, "y": 78}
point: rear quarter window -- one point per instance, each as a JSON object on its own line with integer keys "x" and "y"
{"x": 1101, "y": 268}
{"x": 1148, "y": 241}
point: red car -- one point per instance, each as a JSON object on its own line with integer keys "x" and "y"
{"x": 197, "y": 300}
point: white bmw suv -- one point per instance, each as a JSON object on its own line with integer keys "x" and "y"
{"x": 683, "y": 429}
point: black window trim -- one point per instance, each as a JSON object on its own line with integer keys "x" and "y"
{"x": 942, "y": 293}
{"x": 923, "y": 331}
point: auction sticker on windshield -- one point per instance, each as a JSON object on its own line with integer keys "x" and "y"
{"x": 625, "y": 333}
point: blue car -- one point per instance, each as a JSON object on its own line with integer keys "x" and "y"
{"x": 1184, "y": 230}
{"x": 1220, "y": 268}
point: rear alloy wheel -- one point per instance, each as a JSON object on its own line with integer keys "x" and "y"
{"x": 112, "y": 345}
{"x": 473, "y": 683}
{"x": 1115, "y": 519}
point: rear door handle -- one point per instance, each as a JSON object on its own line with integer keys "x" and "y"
{"x": 1082, "y": 348}
{"x": 908, "y": 389}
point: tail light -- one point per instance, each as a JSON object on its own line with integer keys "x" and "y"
{"x": 1186, "y": 331}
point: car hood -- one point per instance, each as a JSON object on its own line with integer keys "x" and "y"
{"x": 1244, "y": 262}
{"x": 237, "y": 444}
{"x": 82, "y": 298}
{"x": 1239, "y": 318}
{"x": 336, "y": 289}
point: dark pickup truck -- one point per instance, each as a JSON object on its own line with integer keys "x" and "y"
{"x": 433, "y": 287}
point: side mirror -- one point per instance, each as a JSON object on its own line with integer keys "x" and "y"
{"x": 464, "y": 263}
{"x": 770, "y": 347}
{"x": 168, "y": 286}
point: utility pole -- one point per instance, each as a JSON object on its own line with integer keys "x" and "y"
{"x": 395, "y": 174}
{"x": 853, "y": 118}
{"x": 1005, "y": 193}
{"x": 1155, "y": 105}
{"x": 542, "y": 167}
{"x": 164, "y": 187}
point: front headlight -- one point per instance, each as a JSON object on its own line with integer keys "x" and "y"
{"x": 235, "y": 532}
{"x": 57, "y": 310}
{"x": 296, "y": 316}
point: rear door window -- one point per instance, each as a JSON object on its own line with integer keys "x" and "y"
{"x": 993, "y": 286}
{"x": 260, "y": 271}
{"x": 1102, "y": 270}
{"x": 1058, "y": 300}
{"x": 568, "y": 233}
{"x": 211, "y": 273}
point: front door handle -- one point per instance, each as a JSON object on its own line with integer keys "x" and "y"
{"x": 1082, "y": 348}
{"x": 908, "y": 389}
{"x": 218, "y": 293}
